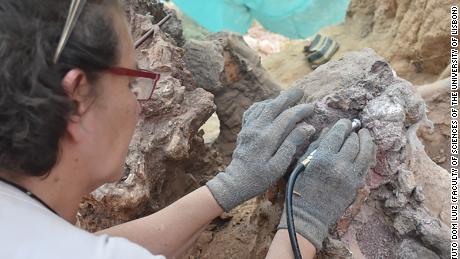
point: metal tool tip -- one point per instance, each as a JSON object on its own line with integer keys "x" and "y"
{"x": 355, "y": 124}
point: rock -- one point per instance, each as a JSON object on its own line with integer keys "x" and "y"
{"x": 411, "y": 249}
{"x": 396, "y": 202}
{"x": 154, "y": 10}
{"x": 225, "y": 216}
{"x": 435, "y": 235}
{"x": 333, "y": 248}
{"x": 431, "y": 177}
{"x": 363, "y": 85}
{"x": 205, "y": 238}
{"x": 405, "y": 224}
{"x": 406, "y": 181}
{"x": 432, "y": 232}
{"x": 227, "y": 67}
{"x": 402, "y": 31}
{"x": 418, "y": 194}
{"x": 436, "y": 137}
{"x": 167, "y": 157}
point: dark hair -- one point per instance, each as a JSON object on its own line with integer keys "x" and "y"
{"x": 34, "y": 109}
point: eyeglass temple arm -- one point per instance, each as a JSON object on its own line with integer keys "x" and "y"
{"x": 150, "y": 32}
{"x": 76, "y": 7}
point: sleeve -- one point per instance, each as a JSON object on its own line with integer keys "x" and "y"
{"x": 274, "y": 8}
{"x": 217, "y": 15}
{"x": 298, "y": 18}
{"x": 121, "y": 248}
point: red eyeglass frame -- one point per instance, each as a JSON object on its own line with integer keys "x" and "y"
{"x": 121, "y": 71}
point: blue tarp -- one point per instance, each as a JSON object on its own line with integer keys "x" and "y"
{"x": 292, "y": 18}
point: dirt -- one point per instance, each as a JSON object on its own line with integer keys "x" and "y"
{"x": 412, "y": 35}
{"x": 245, "y": 232}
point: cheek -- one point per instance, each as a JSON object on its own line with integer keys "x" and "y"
{"x": 120, "y": 113}
{"x": 132, "y": 111}
{"x": 135, "y": 110}
{"x": 138, "y": 109}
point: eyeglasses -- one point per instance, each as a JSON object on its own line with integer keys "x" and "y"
{"x": 145, "y": 82}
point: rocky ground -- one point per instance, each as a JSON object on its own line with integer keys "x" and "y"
{"x": 403, "y": 205}
{"x": 400, "y": 213}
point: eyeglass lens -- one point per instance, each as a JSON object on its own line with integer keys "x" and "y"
{"x": 143, "y": 88}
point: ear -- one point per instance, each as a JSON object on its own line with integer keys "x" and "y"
{"x": 78, "y": 89}
{"x": 75, "y": 84}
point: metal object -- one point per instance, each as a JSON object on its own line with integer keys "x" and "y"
{"x": 308, "y": 159}
{"x": 355, "y": 124}
{"x": 76, "y": 7}
{"x": 151, "y": 31}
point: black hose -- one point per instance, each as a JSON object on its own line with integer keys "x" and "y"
{"x": 289, "y": 213}
{"x": 355, "y": 126}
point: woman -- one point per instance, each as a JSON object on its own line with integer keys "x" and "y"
{"x": 68, "y": 109}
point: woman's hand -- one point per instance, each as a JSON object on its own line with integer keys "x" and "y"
{"x": 270, "y": 135}
{"x": 329, "y": 183}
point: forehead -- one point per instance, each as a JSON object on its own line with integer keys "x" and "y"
{"x": 126, "y": 45}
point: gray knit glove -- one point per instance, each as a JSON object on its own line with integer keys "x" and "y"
{"x": 270, "y": 135}
{"x": 329, "y": 183}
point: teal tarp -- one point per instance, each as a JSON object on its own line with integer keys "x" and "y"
{"x": 292, "y": 18}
